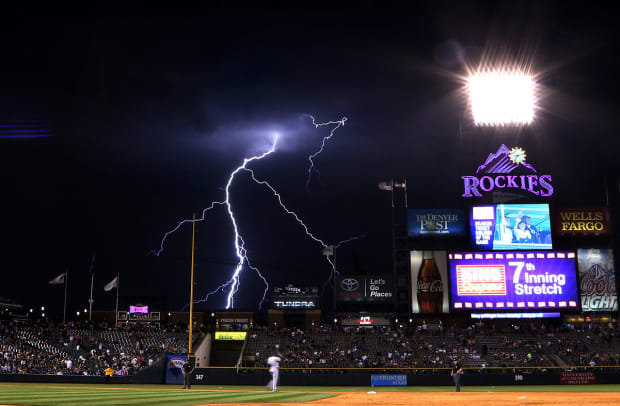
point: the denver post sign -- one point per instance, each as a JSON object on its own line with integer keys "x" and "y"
{"x": 507, "y": 169}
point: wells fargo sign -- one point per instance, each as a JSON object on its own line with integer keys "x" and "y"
{"x": 585, "y": 220}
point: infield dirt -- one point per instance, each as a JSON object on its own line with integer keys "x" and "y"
{"x": 461, "y": 399}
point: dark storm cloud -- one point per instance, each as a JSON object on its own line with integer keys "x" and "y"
{"x": 152, "y": 109}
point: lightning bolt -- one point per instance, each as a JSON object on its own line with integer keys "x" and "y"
{"x": 240, "y": 251}
{"x": 232, "y": 285}
{"x": 312, "y": 167}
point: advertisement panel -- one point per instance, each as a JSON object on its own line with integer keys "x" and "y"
{"x": 138, "y": 309}
{"x": 230, "y": 335}
{"x": 513, "y": 280}
{"x": 436, "y": 222}
{"x": 365, "y": 319}
{"x": 577, "y": 378}
{"x": 581, "y": 221}
{"x": 174, "y": 371}
{"x": 388, "y": 380}
{"x": 597, "y": 280}
{"x": 511, "y": 227}
{"x": 429, "y": 282}
{"x": 361, "y": 288}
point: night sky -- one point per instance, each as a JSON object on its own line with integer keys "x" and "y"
{"x": 151, "y": 109}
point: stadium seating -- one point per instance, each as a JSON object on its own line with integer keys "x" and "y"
{"x": 37, "y": 349}
{"x": 478, "y": 347}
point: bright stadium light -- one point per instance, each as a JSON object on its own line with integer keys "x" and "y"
{"x": 502, "y": 97}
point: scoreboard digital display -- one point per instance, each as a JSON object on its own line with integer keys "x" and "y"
{"x": 511, "y": 227}
{"x": 513, "y": 280}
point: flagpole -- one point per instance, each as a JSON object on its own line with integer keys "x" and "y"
{"x": 118, "y": 288}
{"x": 64, "y": 309}
{"x": 90, "y": 301}
{"x": 191, "y": 288}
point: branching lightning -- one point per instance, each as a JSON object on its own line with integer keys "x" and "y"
{"x": 312, "y": 167}
{"x": 232, "y": 285}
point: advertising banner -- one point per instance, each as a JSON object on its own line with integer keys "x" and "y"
{"x": 388, "y": 380}
{"x": 597, "y": 280}
{"x": 436, "y": 223}
{"x": 577, "y": 378}
{"x": 365, "y": 319}
{"x": 581, "y": 221}
{"x": 513, "y": 280}
{"x": 174, "y": 371}
{"x": 361, "y": 288}
{"x": 429, "y": 282}
{"x": 511, "y": 227}
{"x": 230, "y": 335}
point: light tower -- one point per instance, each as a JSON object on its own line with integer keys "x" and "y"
{"x": 502, "y": 97}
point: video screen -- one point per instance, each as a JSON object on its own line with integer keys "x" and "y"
{"x": 511, "y": 227}
{"x": 138, "y": 309}
{"x": 514, "y": 280}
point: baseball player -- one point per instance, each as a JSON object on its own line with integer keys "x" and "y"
{"x": 274, "y": 370}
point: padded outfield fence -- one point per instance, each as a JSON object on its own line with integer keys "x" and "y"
{"x": 495, "y": 376}
{"x": 548, "y": 375}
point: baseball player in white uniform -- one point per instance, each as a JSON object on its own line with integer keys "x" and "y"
{"x": 274, "y": 370}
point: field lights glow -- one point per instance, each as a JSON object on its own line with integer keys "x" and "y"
{"x": 502, "y": 98}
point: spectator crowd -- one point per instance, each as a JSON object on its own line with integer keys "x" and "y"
{"x": 74, "y": 350}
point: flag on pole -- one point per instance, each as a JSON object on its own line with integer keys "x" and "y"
{"x": 59, "y": 280}
{"x": 113, "y": 284}
{"x": 385, "y": 185}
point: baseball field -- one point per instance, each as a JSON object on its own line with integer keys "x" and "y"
{"x": 128, "y": 395}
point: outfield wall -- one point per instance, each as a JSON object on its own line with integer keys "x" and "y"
{"x": 230, "y": 376}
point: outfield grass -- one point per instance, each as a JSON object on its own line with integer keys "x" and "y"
{"x": 129, "y": 395}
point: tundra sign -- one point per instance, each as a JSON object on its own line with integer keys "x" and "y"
{"x": 362, "y": 288}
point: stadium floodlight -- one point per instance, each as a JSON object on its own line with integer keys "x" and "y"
{"x": 502, "y": 97}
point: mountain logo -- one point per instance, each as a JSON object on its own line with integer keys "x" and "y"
{"x": 505, "y": 160}
{"x": 507, "y": 169}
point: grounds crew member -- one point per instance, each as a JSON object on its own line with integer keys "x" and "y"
{"x": 187, "y": 369}
{"x": 108, "y": 374}
{"x": 456, "y": 372}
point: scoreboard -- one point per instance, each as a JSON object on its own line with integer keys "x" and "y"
{"x": 513, "y": 280}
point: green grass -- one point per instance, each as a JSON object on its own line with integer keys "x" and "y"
{"x": 147, "y": 395}
{"x": 129, "y": 395}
